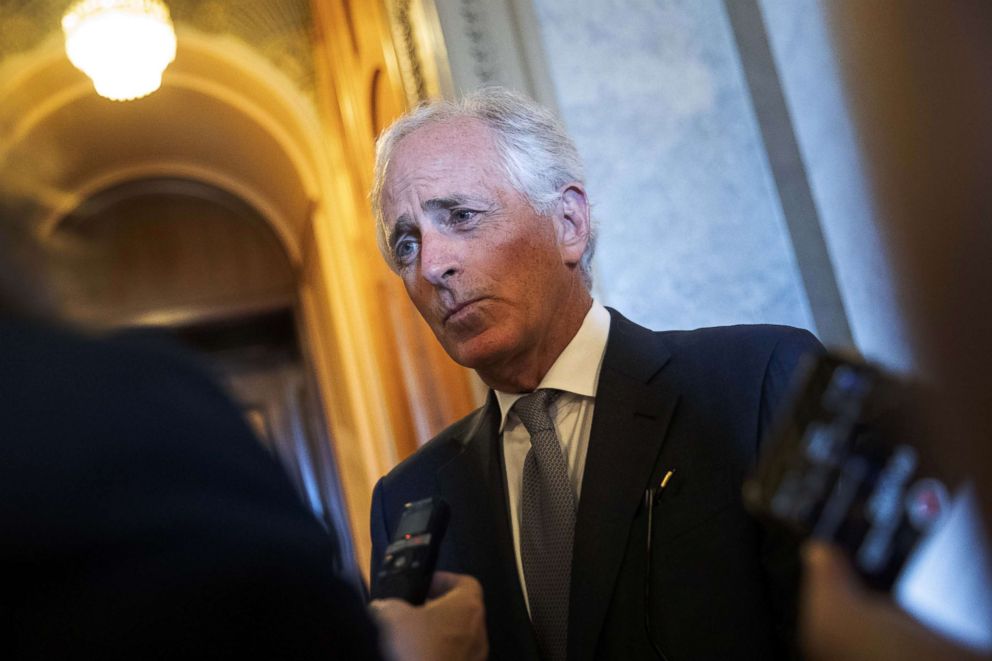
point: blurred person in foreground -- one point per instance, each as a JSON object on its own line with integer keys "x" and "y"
{"x": 482, "y": 212}
{"x": 140, "y": 518}
{"x": 919, "y": 75}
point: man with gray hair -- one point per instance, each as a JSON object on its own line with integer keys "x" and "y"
{"x": 596, "y": 494}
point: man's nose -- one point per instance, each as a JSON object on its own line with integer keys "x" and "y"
{"x": 438, "y": 258}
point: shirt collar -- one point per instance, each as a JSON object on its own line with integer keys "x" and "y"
{"x": 576, "y": 370}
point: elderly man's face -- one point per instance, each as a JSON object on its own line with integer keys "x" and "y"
{"x": 483, "y": 268}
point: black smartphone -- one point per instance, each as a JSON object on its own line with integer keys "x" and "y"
{"x": 845, "y": 462}
{"x": 408, "y": 564}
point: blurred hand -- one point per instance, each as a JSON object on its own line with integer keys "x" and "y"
{"x": 840, "y": 620}
{"x": 451, "y": 625}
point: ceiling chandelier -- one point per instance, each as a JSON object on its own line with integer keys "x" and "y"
{"x": 124, "y": 46}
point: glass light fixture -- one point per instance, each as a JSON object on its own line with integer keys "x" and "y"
{"x": 124, "y": 46}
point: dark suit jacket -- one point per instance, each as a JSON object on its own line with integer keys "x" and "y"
{"x": 139, "y": 517}
{"x": 696, "y": 402}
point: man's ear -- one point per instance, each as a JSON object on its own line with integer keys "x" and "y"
{"x": 572, "y": 223}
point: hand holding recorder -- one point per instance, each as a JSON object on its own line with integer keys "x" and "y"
{"x": 452, "y": 622}
{"x": 450, "y": 625}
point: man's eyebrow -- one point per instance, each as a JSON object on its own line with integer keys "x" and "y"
{"x": 405, "y": 223}
{"x": 438, "y": 203}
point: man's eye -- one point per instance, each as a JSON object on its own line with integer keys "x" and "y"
{"x": 405, "y": 249}
{"x": 461, "y": 215}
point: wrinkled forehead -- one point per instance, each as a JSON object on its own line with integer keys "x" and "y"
{"x": 441, "y": 157}
{"x": 450, "y": 133}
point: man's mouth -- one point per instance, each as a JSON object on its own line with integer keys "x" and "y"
{"x": 454, "y": 311}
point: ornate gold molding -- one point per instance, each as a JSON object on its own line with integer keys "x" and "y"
{"x": 360, "y": 89}
{"x": 420, "y": 50}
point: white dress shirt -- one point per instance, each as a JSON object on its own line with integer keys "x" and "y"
{"x": 576, "y": 374}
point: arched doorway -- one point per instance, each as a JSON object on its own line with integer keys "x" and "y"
{"x": 195, "y": 264}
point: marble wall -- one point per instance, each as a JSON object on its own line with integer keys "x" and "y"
{"x": 799, "y": 37}
{"x": 690, "y": 230}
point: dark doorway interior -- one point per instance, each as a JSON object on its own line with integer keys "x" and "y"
{"x": 189, "y": 262}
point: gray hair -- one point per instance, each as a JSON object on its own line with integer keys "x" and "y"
{"x": 537, "y": 154}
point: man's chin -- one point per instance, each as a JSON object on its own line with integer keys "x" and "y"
{"x": 473, "y": 360}
{"x": 477, "y": 352}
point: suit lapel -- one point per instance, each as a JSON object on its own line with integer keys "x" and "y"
{"x": 479, "y": 538}
{"x": 628, "y": 429}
